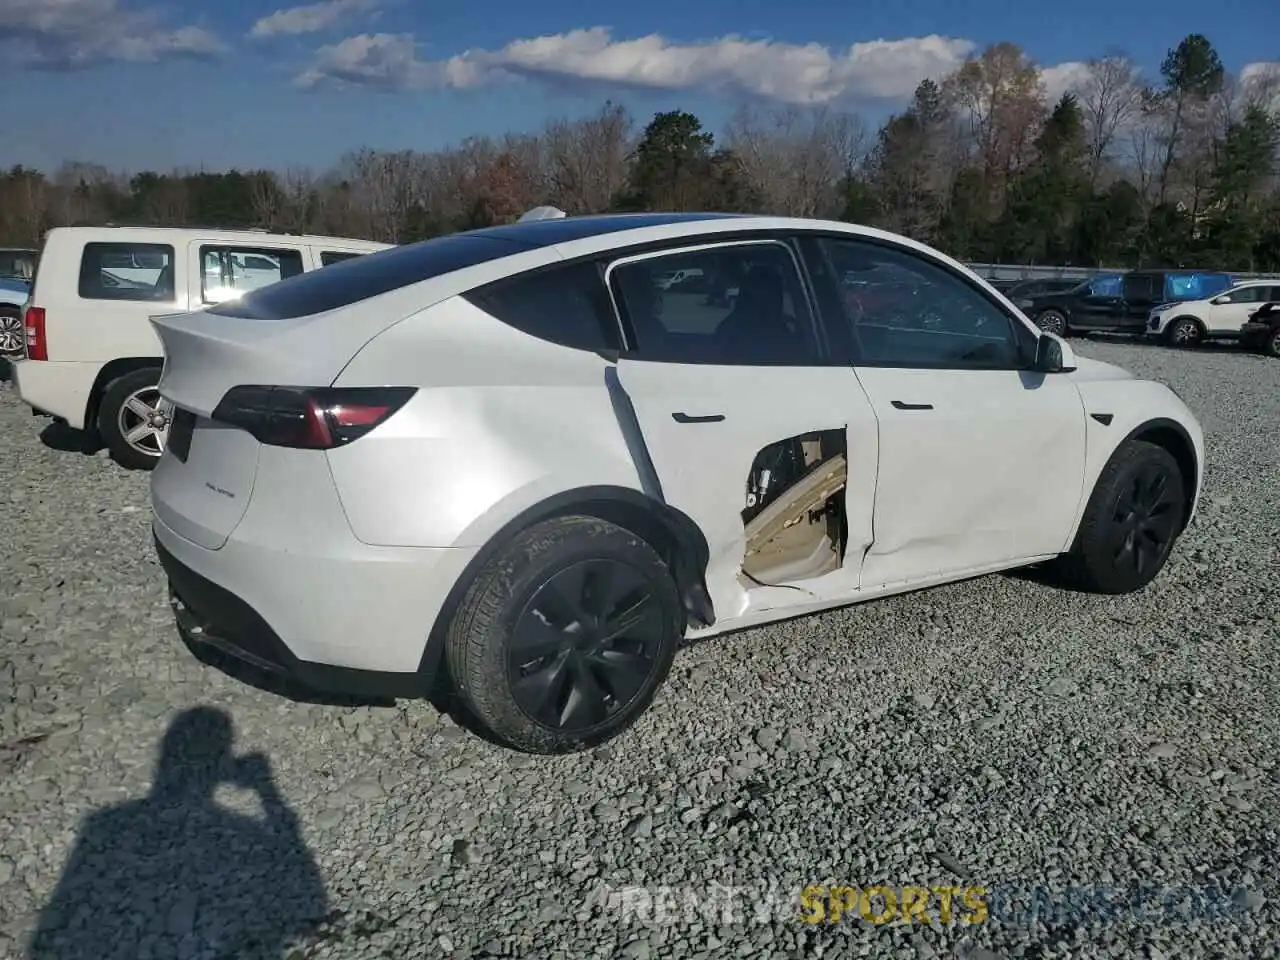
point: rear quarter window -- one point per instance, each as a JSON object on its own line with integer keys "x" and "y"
{"x": 365, "y": 276}
{"x": 126, "y": 271}
{"x": 566, "y": 305}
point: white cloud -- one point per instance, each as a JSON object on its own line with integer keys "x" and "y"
{"x": 1069, "y": 77}
{"x": 884, "y": 70}
{"x": 77, "y": 33}
{"x": 311, "y": 18}
{"x": 783, "y": 72}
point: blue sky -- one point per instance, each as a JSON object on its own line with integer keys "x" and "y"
{"x": 245, "y": 83}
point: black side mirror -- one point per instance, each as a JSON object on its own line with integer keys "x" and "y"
{"x": 1049, "y": 355}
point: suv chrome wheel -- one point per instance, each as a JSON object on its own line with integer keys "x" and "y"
{"x": 11, "y": 335}
{"x": 144, "y": 420}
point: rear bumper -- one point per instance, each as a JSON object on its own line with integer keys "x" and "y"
{"x": 343, "y": 618}
{"x": 210, "y": 616}
{"x": 58, "y": 389}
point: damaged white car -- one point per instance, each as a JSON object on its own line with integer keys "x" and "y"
{"x": 510, "y": 458}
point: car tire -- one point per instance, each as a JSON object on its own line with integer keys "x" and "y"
{"x": 11, "y": 333}
{"x": 1271, "y": 343}
{"x": 544, "y": 607}
{"x": 1131, "y": 522}
{"x": 123, "y": 411}
{"x": 1053, "y": 321}
{"x": 1184, "y": 332}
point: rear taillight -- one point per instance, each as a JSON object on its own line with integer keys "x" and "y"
{"x": 310, "y": 418}
{"x": 37, "y": 346}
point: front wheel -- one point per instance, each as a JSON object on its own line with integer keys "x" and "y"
{"x": 565, "y": 636}
{"x": 1130, "y": 524}
{"x": 1184, "y": 332}
{"x": 1053, "y": 321}
{"x": 133, "y": 419}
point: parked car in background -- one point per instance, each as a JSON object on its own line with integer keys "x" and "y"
{"x": 517, "y": 458}
{"x": 1035, "y": 288}
{"x": 1119, "y": 303}
{"x": 17, "y": 263}
{"x": 13, "y": 295}
{"x": 1215, "y": 318}
{"x": 92, "y": 359}
{"x": 1261, "y": 332}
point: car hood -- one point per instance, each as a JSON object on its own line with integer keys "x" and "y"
{"x": 1091, "y": 371}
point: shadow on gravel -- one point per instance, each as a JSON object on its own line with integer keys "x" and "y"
{"x": 177, "y": 874}
{"x": 1043, "y": 576}
{"x": 59, "y": 436}
{"x": 272, "y": 683}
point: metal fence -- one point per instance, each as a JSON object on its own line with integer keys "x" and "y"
{"x": 1025, "y": 271}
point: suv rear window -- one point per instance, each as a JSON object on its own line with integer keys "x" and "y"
{"x": 366, "y": 276}
{"x": 126, "y": 271}
{"x": 330, "y": 257}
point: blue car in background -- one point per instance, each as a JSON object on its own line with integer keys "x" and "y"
{"x": 17, "y": 265}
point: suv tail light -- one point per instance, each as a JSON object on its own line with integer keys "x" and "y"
{"x": 37, "y": 346}
{"x": 309, "y": 418}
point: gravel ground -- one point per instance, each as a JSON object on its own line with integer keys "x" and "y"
{"x": 1039, "y": 743}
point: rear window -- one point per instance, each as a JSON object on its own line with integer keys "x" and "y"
{"x": 330, "y": 257}
{"x": 369, "y": 275}
{"x": 126, "y": 271}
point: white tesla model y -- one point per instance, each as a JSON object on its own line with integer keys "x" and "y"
{"x": 520, "y": 459}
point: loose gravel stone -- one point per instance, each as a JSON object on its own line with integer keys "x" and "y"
{"x": 1043, "y": 744}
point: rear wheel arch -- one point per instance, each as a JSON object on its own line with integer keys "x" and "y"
{"x": 672, "y": 534}
{"x": 113, "y": 370}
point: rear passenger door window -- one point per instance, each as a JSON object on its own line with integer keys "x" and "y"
{"x": 728, "y": 304}
{"x": 127, "y": 271}
{"x": 229, "y": 272}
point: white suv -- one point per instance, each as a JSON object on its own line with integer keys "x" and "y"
{"x": 92, "y": 358}
{"x": 510, "y": 458}
{"x": 1191, "y": 322}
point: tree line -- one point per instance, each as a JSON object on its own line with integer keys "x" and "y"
{"x": 1122, "y": 171}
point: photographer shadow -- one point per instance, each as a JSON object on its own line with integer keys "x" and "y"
{"x": 177, "y": 874}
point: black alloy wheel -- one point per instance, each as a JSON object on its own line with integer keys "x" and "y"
{"x": 1145, "y": 520}
{"x": 586, "y": 645}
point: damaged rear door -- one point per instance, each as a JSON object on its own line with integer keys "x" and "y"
{"x": 741, "y": 421}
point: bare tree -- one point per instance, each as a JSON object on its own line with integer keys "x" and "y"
{"x": 1261, "y": 88}
{"x": 795, "y": 158}
{"x": 266, "y": 198}
{"x": 1144, "y": 153}
{"x": 387, "y": 185}
{"x": 999, "y": 101}
{"x": 587, "y": 159}
{"x": 299, "y": 198}
{"x": 82, "y": 191}
{"x": 1110, "y": 97}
